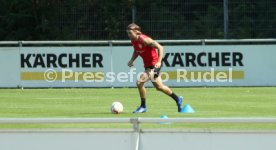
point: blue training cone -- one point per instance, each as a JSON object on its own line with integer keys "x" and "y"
{"x": 165, "y": 117}
{"x": 187, "y": 109}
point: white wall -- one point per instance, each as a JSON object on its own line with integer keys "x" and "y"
{"x": 9, "y": 67}
{"x": 27, "y": 66}
{"x": 126, "y": 140}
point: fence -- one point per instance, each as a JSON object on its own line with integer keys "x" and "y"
{"x": 136, "y": 139}
{"x": 162, "y": 19}
{"x": 127, "y": 42}
{"x": 134, "y": 121}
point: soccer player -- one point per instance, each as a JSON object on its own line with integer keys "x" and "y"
{"x": 152, "y": 54}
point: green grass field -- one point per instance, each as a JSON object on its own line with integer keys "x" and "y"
{"x": 95, "y": 103}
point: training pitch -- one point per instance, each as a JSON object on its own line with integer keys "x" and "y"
{"x": 251, "y": 102}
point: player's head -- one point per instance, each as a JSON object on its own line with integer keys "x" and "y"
{"x": 133, "y": 30}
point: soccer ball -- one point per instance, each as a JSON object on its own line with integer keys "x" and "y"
{"x": 116, "y": 108}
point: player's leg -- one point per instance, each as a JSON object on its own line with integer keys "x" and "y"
{"x": 158, "y": 84}
{"x": 142, "y": 91}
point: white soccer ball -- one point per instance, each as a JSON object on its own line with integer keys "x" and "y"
{"x": 117, "y": 107}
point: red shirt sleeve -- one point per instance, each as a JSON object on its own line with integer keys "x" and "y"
{"x": 142, "y": 37}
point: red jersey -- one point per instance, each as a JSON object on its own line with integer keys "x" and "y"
{"x": 148, "y": 54}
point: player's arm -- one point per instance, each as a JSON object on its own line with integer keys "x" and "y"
{"x": 150, "y": 42}
{"x": 133, "y": 58}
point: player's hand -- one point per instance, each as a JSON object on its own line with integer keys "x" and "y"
{"x": 157, "y": 65}
{"x": 130, "y": 63}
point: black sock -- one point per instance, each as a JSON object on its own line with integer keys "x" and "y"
{"x": 143, "y": 102}
{"x": 175, "y": 97}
